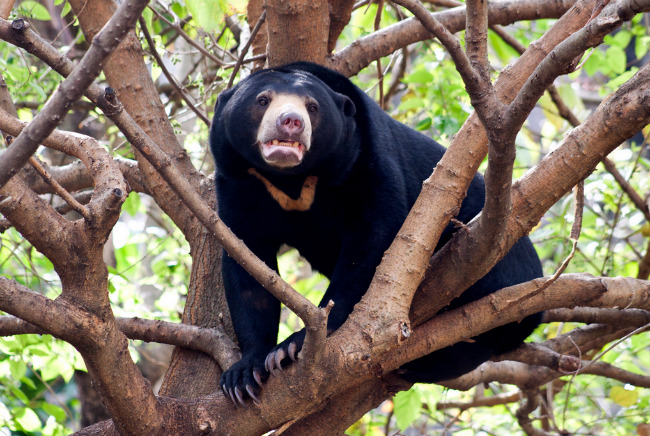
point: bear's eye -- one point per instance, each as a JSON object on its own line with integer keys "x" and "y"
{"x": 313, "y": 107}
{"x": 262, "y": 101}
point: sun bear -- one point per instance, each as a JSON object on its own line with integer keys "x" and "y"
{"x": 305, "y": 158}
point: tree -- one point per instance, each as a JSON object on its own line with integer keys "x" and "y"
{"x": 340, "y": 378}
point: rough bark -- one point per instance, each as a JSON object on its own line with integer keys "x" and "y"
{"x": 297, "y": 30}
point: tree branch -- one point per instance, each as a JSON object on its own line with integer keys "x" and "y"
{"x": 533, "y": 195}
{"x": 212, "y": 341}
{"x": 172, "y": 80}
{"x": 297, "y": 18}
{"x": 70, "y": 90}
{"x": 443, "y": 192}
{"x": 514, "y": 303}
{"x": 356, "y": 56}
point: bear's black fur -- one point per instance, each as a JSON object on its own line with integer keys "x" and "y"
{"x": 370, "y": 170}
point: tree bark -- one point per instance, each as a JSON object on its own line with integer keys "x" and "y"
{"x": 298, "y": 30}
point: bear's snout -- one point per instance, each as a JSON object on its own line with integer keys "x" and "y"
{"x": 290, "y": 125}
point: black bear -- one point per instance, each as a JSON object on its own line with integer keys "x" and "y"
{"x": 305, "y": 158}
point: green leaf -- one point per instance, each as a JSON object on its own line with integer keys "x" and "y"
{"x": 18, "y": 368}
{"x": 57, "y": 412}
{"x": 29, "y": 382}
{"x": 501, "y": 48}
{"x": 623, "y": 397}
{"x": 147, "y": 15}
{"x": 132, "y": 203}
{"x": 641, "y": 45}
{"x": 616, "y": 59}
{"x": 38, "y": 350}
{"x": 419, "y": 76}
{"x": 66, "y": 9}
{"x": 411, "y": 103}
{"x": 408, "y": 406}
{"x": 19, "y": 394}
{"x": 208, "y": 13}
{"x": 424, "y": 124}
{"x": 178, "y": 9}
{"x": 594, "y": 63}
{"x": 621, "y": 39}
{"x": 35, "y": 10}
{"x": 622, "y": 78}
{"x": 27, "y": 419}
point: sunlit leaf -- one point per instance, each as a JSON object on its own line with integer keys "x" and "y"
{"x": 407, "y": 407}
{"x": 27, "y": 419}
{"x": 35, "y": 10}
{"x": 623, "y": 397}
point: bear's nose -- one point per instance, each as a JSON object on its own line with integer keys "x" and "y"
{"x": 290, "y": 123}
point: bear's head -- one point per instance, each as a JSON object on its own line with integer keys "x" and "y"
{"x": 282, "y": 122}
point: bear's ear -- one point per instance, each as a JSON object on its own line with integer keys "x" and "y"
{"x": 345, "y": 103}
{"x": 223, "y": 99}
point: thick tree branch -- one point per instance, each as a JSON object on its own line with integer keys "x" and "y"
{"x": 287, "y": 23}
{"x": 189, "y": 373}
{"x": 75, "y": 176}
{"x": 132, "y": 83}
{"x": 340, "y": 12}
{"x": 514, "y": 303}
{"x": 588, "y": 315}
{"x": 491, "y": 223}
{"x": 472, "y": 80}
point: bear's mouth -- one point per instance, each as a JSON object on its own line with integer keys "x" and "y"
{"x": 282, "y": 153}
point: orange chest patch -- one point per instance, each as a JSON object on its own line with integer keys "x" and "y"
{"x": 301, "y": 204}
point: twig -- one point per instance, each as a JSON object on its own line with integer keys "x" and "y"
{"x": 578, "y": 206}
{"x": 380, "y": 76}
{"x": 538, "y": 354}
{"x": 644, "y": 265}
{"x": 396, "y": 76}
{"x": 172, "y": 80}
{"x": 568, "y": 115}
{"x": 494, "y": 400}
{"x": 59, "y": 190}
{"x": 531, "y": 403}
{"x": 629, "y": 190}
{"x": 179, "y": 30}
{"x": 244, "y": 49}
{"x": 617, "y": 215}
{"x": 615, "y": 344}
{"x": 258, "y": 57}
